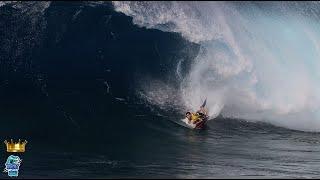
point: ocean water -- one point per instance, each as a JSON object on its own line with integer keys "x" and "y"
{"x": 97, "y": 88}
{"x": 226, "y": 149}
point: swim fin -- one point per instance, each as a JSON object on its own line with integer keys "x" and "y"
{"x": 204, "y": 103}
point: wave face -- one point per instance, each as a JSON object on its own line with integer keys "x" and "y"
{"x": 258, "y": 60}
{"x": 79, "y": 66}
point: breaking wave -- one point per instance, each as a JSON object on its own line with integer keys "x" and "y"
{"x": 258, "y": 60}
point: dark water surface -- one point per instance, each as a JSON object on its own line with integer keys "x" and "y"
{"x": 241, "y": 149}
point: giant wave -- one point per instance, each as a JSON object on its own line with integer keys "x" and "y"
{"x": 258, "y": 61}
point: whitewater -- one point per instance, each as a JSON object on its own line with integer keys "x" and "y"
{"x": 258, "y": 61}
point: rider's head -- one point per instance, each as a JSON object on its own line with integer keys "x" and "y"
{"x": 188, "y": 114}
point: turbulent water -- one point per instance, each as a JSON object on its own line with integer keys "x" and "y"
{"x": 258, "y": 61}
{"x": 96, "y": 88}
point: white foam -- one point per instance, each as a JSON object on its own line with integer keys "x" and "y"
{"x": 258, "y": 64}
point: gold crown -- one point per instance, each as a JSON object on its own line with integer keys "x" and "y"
{"x": 15, "y": 147}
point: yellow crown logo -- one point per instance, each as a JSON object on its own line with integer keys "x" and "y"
{"x": 16, "y": 147}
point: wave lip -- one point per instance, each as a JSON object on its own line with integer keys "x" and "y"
{"x": 255, "y": 62}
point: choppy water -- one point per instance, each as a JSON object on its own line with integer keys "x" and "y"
{"x": 226, "y": 148}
